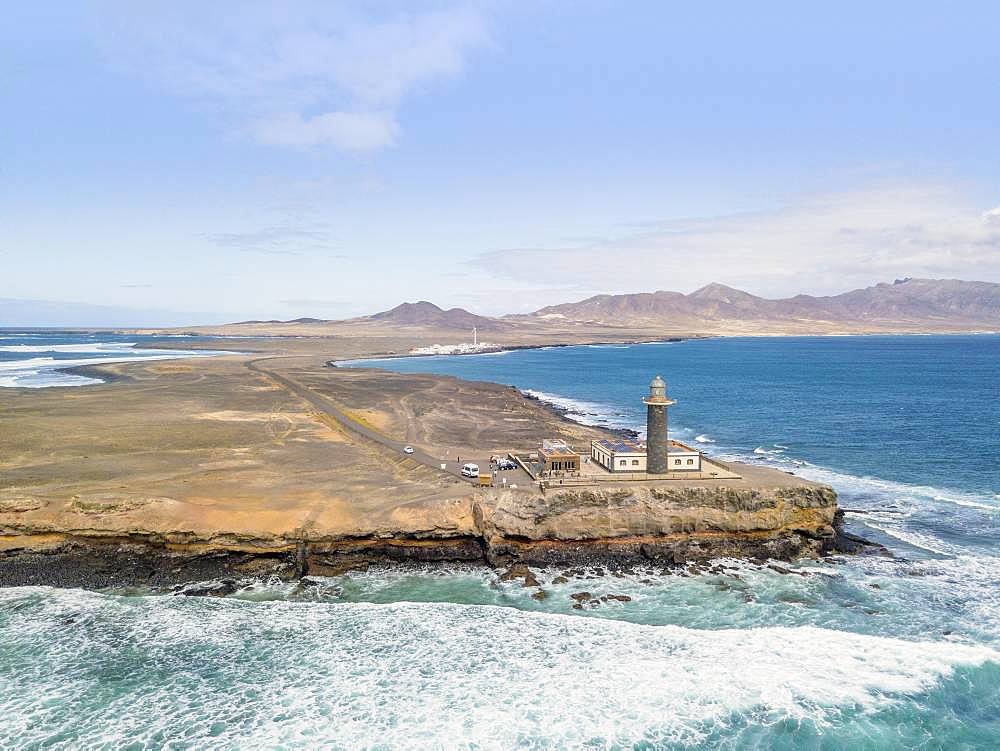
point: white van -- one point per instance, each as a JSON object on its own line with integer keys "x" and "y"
{"x": 470, "y": 470}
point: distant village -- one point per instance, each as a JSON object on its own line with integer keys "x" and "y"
{"x": 463, "y": 348}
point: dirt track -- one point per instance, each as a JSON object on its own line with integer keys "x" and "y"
{"x": 247, "y": 453}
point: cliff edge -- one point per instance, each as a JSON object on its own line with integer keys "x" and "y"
{"x": 767, "y": 514}
{"x": 673, "y": 522}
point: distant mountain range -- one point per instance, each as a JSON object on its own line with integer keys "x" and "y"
{"x": 408, "y": 314}
{"x": 428, "y": 314}
{"x": 905, "y": 305}
{"x": 907, "y": 302}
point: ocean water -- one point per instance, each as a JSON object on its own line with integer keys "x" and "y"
{"x": 35, "y": 358}
{"x": 864, "y": 652}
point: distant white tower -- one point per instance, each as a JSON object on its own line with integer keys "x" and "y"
{"x": 475, "y": 337}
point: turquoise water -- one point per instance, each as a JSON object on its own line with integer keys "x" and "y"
{"x": 868, "y": 652}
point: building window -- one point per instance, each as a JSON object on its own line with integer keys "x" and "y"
{"x": 677, "y": 461}
{"x": 635, "y": 462}
{"x": 621, "y": 463}
{"x": 690, "y": 461}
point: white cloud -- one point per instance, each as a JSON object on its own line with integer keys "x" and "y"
{"x": 350, "y": 131}
{"x": 303, "y": 74}
{"x": 823, "y": 245}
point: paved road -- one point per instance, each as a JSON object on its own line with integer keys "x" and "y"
{"x": 327, "y": 407}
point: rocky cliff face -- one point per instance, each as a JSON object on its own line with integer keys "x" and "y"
{"x": 673, "y": 522}
{"x": 670, "y": 524}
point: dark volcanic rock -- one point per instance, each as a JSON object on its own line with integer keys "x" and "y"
{"x": 520, "y": 571}
{"x": 114, "y": 566}
{"x": 668, "y": 553}
{"x": 103, "y": 563}
{"x": 619, "y": 598}
{"x": 219, "y": 588}
{"x": 845, "y": 542}
{"x": 783, "y": 570}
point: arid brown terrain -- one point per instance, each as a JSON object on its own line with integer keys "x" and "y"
{"x": 275, "y": 455}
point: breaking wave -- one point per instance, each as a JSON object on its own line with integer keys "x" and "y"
{"x": 83, "y": 347}
{"x": 43, "y": 372}
{"x": 940, "y": 582}
{"x": 587, "y": 413}
{"x": 155, "y": 670}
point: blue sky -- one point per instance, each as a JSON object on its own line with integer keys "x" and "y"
{"x": 177, "y": 163}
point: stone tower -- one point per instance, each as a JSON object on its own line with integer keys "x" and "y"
{"x": 657, "y": 443}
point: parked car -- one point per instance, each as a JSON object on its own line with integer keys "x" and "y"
{"x": 408, "y": 450}
{"x": 506, "y": 464}
{"x": 470, "y": 470}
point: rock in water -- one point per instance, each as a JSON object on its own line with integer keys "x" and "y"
{"x": 520, "y": 571}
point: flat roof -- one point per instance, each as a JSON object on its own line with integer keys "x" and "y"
{"x": 554, "y": 443}
{"x": 621, "y": 447}
{"x": 625, "y": 446}
{"x": 677, "y": 447}
{"x": 556, "y": 447}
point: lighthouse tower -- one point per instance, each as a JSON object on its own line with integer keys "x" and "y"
{"x": 656, "y": 427}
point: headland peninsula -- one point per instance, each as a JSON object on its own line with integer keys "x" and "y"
{"x": 274, "y": 461}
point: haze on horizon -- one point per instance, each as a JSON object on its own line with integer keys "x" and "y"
{"x": 182, "y": 163}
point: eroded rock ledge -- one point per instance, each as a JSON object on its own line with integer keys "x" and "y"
{"x": 669, "y": 525}
{"x": 673, "y": 524}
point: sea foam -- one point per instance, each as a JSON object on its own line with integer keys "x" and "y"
{"x": 587, "y": 413}
{"x": 42, "y": 372}
{"x": 83, "y": 347}
{"x": 224, "y": 673}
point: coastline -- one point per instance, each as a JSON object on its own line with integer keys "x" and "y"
{"x": 127, "y": 562}
{"x": 501, "y": 349}
{"x": 95, "y": 372}
{"x": 129, "y": 548}
{"x": 89, "y": 366}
